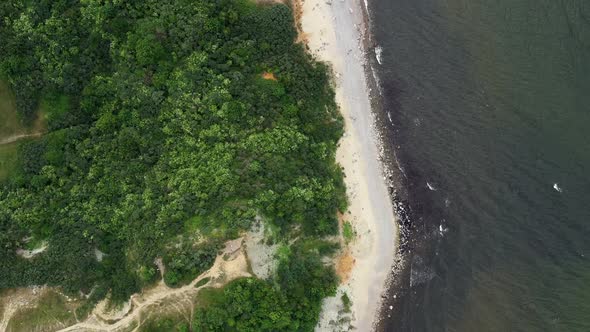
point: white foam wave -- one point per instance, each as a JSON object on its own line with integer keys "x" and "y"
{"x": 442, "y": 230}
{"x": 378, "y": 54}
{"x": 430, "y": 186}
{"x": 376, "y": 79}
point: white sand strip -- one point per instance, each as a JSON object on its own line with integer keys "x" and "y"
{"x": 333, "y": 30}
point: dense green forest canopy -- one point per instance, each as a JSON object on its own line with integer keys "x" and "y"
{"x": 160, "y": 126}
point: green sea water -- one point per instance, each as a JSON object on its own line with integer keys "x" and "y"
{"x": 490, "y": 107}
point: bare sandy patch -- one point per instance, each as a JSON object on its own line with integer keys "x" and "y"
{"x": 36, "y": 309}
{"x": 344, "y": 265}
{"x": 16, "y": 299}
{"x": 269, "y": 76}
{"x": 261, "y": 255}
{"x": 28, "y": 254}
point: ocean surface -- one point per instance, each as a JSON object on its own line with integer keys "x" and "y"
{"x": 486, "y": 107}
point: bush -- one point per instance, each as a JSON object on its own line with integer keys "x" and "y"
{"x": 246, "y": 305}
{"x": 185, "y": 263}
{"x": 347, "y": 231}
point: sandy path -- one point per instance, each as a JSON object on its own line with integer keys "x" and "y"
{"x": 14, "y": 138}
{"x": 333, "y": 30}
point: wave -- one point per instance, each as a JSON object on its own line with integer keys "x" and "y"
{"x": 378, "y": 54}
{"x": 430, "y": 186}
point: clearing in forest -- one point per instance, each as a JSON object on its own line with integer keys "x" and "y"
{"x": 269, "y": 76}
{"x": 9, "y": 127}
{"x": 35, "y": 309}
{"x": 7, "y": 159}
{"x": 12, "y": 130}
{"x": 9, "y": 122}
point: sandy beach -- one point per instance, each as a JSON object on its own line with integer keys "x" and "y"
{"x": 333, "y": 33}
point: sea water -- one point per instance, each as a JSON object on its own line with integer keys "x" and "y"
{"x": 486, "y": 106}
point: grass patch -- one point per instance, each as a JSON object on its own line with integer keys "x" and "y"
{"x": 9, "y": 122}
{"x": 8, "y": 160}
{"x": 166, "y": 323}
{"x": 346, "y": 302}
{"x": 10, "y": 125}
{"x": 35, "y": 243}
{"x": 1, "y": 308}
{"x": 283, "y": 253}
{"x": 347, "y": 232}
{"x": 208, "y": 297}
{"x": 322, "y": 247}
{"x": 193, "y": 225}
{"x": 202, "y": 282}
{"x": 52, "y": 313}
{"x": 54, "y": 106}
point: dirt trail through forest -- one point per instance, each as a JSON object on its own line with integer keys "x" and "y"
{"x": 15, "y": 138}
{"x": 229, "y": 265}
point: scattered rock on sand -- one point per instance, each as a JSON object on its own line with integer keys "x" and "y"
{"x": 261, "y": 256}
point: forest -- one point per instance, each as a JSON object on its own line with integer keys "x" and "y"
{"x": 167, "y": 120}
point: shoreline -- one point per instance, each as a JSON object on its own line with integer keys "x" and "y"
{"x": 335, "y": 34}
